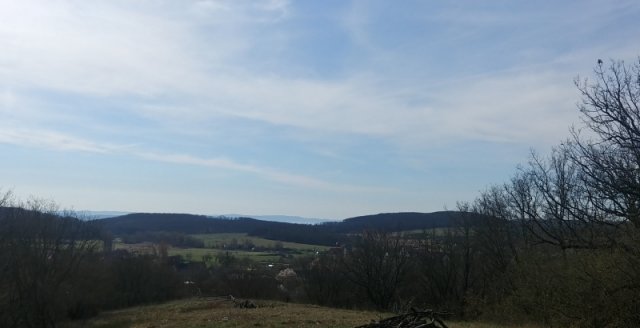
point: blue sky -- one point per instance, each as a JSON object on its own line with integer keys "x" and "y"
{"x": 325, "y": 109}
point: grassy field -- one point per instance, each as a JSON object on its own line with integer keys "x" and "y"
{"x": 197, "y": 254}
{"x": 216, "y": 240}
{"x": 196, "y": 313}
{"x": 214, "y": 243}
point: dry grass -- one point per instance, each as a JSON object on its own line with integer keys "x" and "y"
{"x": 200, "y": 313}
{"x": 216, "y": 313}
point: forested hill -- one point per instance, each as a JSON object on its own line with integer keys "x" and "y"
{"x": 394, "y": 222}
{"x": 137, "y": 223}
{"x": 16, "y": 221}
{"x": 184, "y": 223}
{"x": 321, "y": 234}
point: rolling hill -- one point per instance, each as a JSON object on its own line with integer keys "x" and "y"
{"x": 328, "y": 233}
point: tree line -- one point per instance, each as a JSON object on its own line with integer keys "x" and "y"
{"x": 55, "y": 267}
{"x": 152, "y": 227}
{"x": 557, "y": 244}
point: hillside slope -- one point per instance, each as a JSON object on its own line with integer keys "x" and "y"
{"x": 394, "y": 222}
{"x": 219, "y": 313}
{"x": 328, "y": 233}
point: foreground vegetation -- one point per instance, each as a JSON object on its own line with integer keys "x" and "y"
{"x": 218, "y": 313}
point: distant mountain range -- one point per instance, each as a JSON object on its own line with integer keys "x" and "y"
{"x": 281, "y": 218}
{"x": 93, "y": 215}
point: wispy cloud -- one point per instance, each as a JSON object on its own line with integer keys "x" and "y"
{"x": 267, "y": 173}
{"x": 526, "y": 106}
{"x": 112, "y": 49}
{"x": 51, "y": 140}
{"x": 117, "y": 48}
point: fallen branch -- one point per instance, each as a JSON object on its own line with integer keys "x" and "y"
{"x": 246, "y": 304}
{"x": 243, "y": 304}
{"x": 413, "y": 319}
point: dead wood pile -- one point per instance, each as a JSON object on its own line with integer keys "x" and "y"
{"x": 243, "y": 304}
{"x": 413, "y": 319}
{"x": 237, "y": 303}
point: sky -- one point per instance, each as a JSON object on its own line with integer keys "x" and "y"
{"x": 324, "y": 109}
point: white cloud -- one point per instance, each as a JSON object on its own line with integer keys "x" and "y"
{"x": 190, "y": 54}
{"x": 526, "y": 106}
{"x": 8, "y": 100}
{"x": 115, "y": 48}
{"x": 265, "y": 11}
{"x": 268, "y": 173}
{"x": 51, "y": 140}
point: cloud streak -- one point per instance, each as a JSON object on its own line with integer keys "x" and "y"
{"x": 267, "y": 173}
{"x": 56, "y": 141}
{"x": 51, "y": 140}
{"x": 115, "y": 50}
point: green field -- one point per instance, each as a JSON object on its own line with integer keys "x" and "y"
{"x": 197, "y": 254}
{"x": 216, "y": 240}
{"x": 214, "y": 245}
{"x": 438, "y": 232}
{"x": 203, "y": 313}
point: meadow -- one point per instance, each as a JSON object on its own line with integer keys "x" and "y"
{"x": 217, "y": 240}
{"x": 239, "y": 245}
{"x": 203, "y": 313}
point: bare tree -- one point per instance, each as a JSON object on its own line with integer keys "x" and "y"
{"x": 5, "y": 197}
{"x": 585, "y": 197}
{"x": 586, "y": 194}
{"x": 378, "y": 264}
{"x": 41, "y": 251}
{"x": 565, "y": 231}
{"x": 561, "y": 211}
{"x": 324, "y": 280}
{"x": 609, "y": 158}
